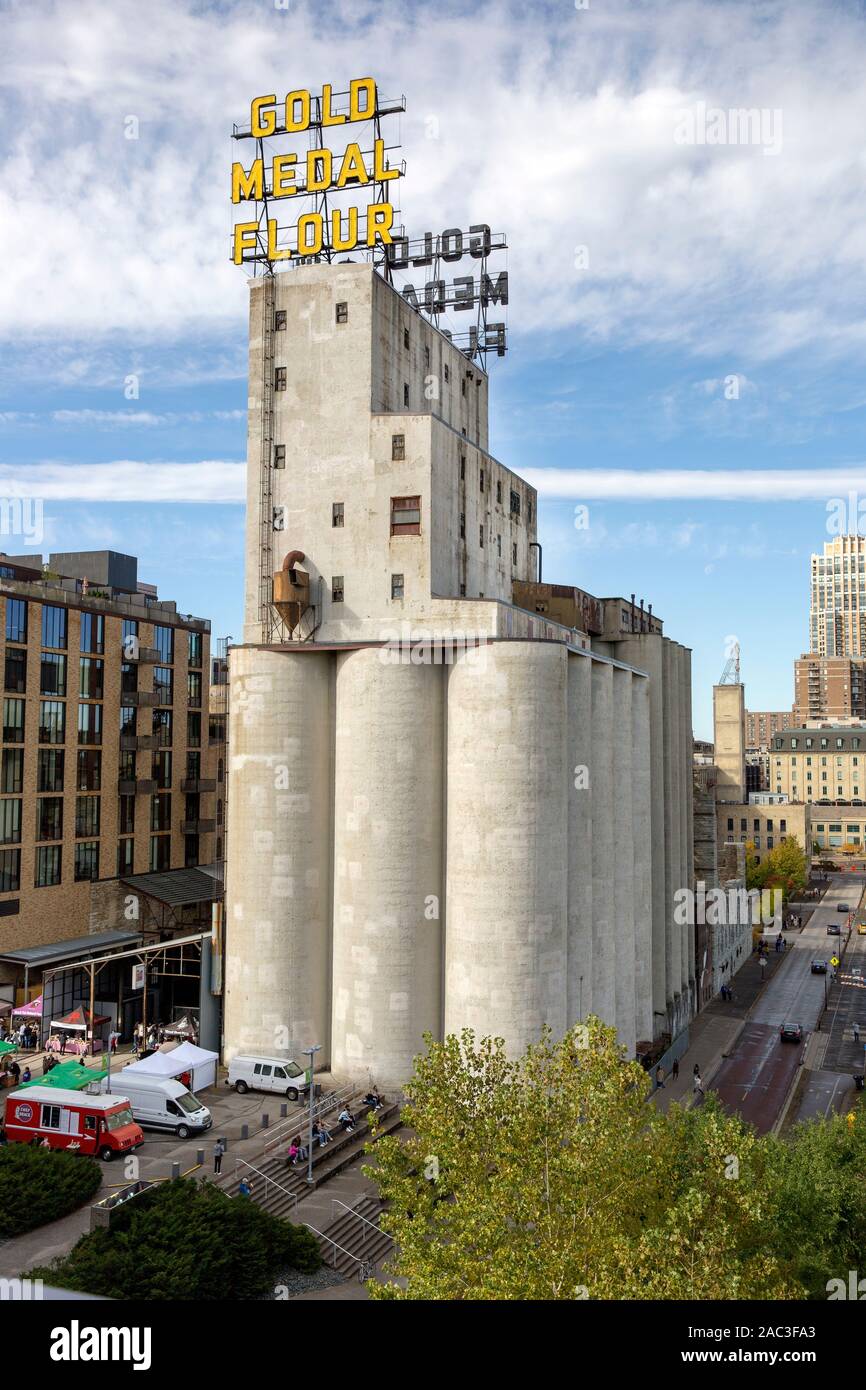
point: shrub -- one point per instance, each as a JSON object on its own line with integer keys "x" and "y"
{"x": 40, "y": 1185}
{"x": 185, "y": 1240}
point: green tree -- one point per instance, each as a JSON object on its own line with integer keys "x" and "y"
{"x": 40, "y": 1185}
{"x": 785, "y": 867}
{"x": 550, "y": 1177}
{"x": 185, "y": 1240}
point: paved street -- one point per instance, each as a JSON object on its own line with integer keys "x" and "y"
{"x": 755, "y": 1080}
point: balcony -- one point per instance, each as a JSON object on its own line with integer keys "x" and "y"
{"x": 192, "y": 785}
{"x": 147, "y": 699}
{"x": 137, "y": 743}
{"x": 149, "y": 656}
{"x": 198, "y": 827}
{"x": 136, "y": 786}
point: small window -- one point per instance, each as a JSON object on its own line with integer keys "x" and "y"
{"x": 481, "y": 480}
{"x": 463, "y": 387}
{"x": 462, "y": 526}
{"x": 280, "y": 320}
{"x": 446, "y": 372}
{"x": 499, "y": 491}
{"x": 405, "y": 393}
{"x": 337, "y": 588}
{"x": 406, "y": 338}
{"x": 279, "y": 378}
{"x": 462, "y": 590}
{"x": 336, "y": 513}
{"x": 405, "y": 516}
{"x": 514, "y": 553}
{"x": 426, "y": 357}
{"x": 499, "y": 546}
{"x": 462, "y": 467}
{"x": 481, "y": 535}
{"x": 343, "y": 312}
{"x": 396, "y": 586}
{"x": 529, "y": 510}
{"x": 398, "y": 446}
{"x": 279, "y": 456}
{"x": 515, "y": 503}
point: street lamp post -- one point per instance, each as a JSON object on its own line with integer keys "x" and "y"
{"x": 311, "y": 1053}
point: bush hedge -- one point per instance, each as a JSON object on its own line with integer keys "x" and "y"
{"x": 40, "y": 1185}
{"x": 185, "y": 1240}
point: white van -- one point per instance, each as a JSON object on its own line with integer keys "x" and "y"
{"x": 159, "y": 1103}
{"x": 268, "y": 1074}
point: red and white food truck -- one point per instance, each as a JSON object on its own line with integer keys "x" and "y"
{"x": 85, "y": 1124}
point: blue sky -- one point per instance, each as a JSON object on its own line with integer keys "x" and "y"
{"x": 648, "y": 272}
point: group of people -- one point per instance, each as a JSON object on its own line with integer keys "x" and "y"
{"x": 726, "y": 992}
{"x": 26, "y": 1035}
{"x": 697, "y": 1082}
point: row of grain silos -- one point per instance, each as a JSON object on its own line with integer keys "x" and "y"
{"x": 423, "y": 848}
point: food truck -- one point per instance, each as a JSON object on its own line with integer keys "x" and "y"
{"x": 72, "y": 1120}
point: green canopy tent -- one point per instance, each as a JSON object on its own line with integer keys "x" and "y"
{"x": 7, "y": 1047}
{"x": 67, "y": 1076}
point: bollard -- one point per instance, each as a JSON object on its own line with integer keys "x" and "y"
{"x": 175, "y": 1171}
{"x": 199, "y": 1157}
{"x": 284, "y": 1110}
{"x": 225, "y": 1143}
{"x": 265, "y": 1120}
{"x": 245, "y": 1131}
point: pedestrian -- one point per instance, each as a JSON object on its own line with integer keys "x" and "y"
{"x": 697, "y": 1084}
{"x": 660, "y": 1079}
{"x": 856, "y": 1032}
{"x": 675, "y": 1069}
{"x": 219, "y": 1149}
{"x": 763, "y": 964}
{"x": 244, "y": 1189}
{"x": 25, "y": 1075}
{"x": 63, "y": 1044}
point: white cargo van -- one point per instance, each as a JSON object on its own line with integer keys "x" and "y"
{"x": 268, "y": 1074}
{"x": 159, "y": 1103}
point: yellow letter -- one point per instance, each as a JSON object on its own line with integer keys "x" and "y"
{"x": 353, "y": 166}
{"x": 263, "y": 122}
{"x": 245, "y": 240}
{"x": 315, "y": 181}
{"x": 314, "y": 221}
{"x": 328, "y": 117}
{"x": 284, "y": 175}
{"x": 274, "y": 252}
{"x": 247, "y": 185}
{"x": 380, "y": 218}
{"x": 303, "y": 120}
{"x": 379, "y": 170}
{"x": 356, "y": 87}
{"x": 338, "y": 241}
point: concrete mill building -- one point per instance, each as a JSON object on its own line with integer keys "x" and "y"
{"x": 448, "y": 808}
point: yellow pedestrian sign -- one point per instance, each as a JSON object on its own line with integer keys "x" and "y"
{"x": 834, "y": 961}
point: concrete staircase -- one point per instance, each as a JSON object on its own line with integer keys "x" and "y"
{"x": 277, "y": 1187}
{"x": 353, "y": 1244}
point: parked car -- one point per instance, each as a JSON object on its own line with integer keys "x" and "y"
{"x": 791, "y": 1032}
{"x": 268, "y": 1074}
{"x": 861, "y": 928}
{"x": 843, "y": 907}
{"x": 819, "y": 967}
{"x": 834, "y": 929}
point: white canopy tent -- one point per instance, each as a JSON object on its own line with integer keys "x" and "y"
{"x": 200, "y": 1064}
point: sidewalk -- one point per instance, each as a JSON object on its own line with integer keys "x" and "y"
{"x": 714, "y": 1032}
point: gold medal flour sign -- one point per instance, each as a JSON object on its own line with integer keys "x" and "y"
{"x": 317, "y": 175}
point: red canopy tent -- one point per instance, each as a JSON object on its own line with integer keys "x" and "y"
{"x": 80, "y": 1021}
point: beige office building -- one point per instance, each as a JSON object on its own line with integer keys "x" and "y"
{"x": 820, "y": 764}
{"x": 837, "y": 618}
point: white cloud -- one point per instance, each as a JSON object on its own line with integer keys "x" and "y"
{"x": 694, "y": 484}
{"x": 126, "y": 481}
{"x": 562, "y": 136}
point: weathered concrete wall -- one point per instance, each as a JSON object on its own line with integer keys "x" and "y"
{"x": 388, "y": 857}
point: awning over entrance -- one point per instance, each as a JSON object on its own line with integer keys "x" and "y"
{"x": 75, "y": 948}
{"x": 177, "y": 887}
